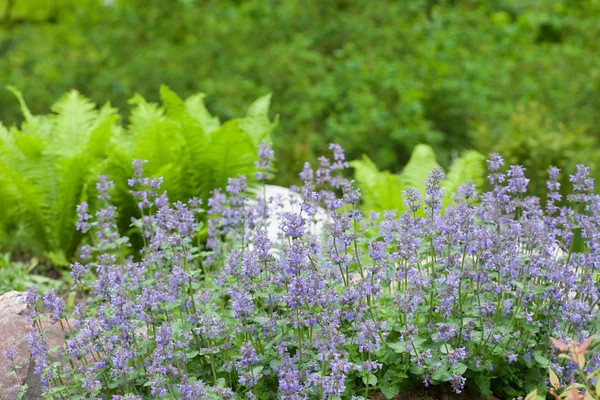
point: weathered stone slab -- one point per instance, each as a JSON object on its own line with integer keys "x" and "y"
{"x": 14, "y": 328}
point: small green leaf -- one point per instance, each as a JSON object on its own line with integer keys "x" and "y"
{"x": 192, "y": 354}
{"x": 544, "y": 362}
{"x": 257, "y": 370}
{"x": 459, "y": 369}
{"x": 370, "y": 380}
{"x": 390, "y": 390}
{"x": 442, "y": 374}
{"x": 553, "y": 379}
{"x": 399, "y": 347}
{"x": 531, "y": 395}
{"x": 483, "y": 383}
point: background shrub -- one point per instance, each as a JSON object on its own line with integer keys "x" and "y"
{"x": 424, "y": 71}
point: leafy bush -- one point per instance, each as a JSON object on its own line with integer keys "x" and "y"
{"x": 50, "y": 164}
{"x": 381, "y": 189}
{"x": 423, "y": 72}
{"x": 467, "y": 294}
{"x": 534, "y": 140}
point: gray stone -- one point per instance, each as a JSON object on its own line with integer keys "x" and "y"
{"x": 14, "y": 328}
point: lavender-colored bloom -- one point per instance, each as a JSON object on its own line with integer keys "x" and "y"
{"x": 78, "y": 271}
{"x": 434, "y": 191}
{"x": 512, "y": 357}
{"x": 457, "y": 355}
{"x": 495, "y": 162}
{"x": 292, "y": 224}
{"x": 103, "y": 187}
{"x": 517, "y": 183}
{"x": 445, "y": 332}
{"x": 458, "y": 383}
{"x": 55, "y": 304}
{"x": 82, "y": 217}
{"x": 263, "y": 165}
{"x": 236, "y": 186}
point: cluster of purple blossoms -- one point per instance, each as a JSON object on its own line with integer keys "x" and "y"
{"x": 335, "y": 307}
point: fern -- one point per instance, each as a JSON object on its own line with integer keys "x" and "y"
{"x": 45, "y": 167}
{"x": 382, "y": 190}
{"x": 49, "y": 164}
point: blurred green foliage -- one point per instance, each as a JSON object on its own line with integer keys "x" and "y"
{"x": 51, "y": 163}
{"x": 536, "y": 141}
{"x": 378, "y": 77}
{"x": 19, "y": 275}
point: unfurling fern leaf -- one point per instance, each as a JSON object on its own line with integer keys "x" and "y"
{"x": 382, "y": 190}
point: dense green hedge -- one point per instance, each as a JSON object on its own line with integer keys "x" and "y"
{"x": 378, "y": 77}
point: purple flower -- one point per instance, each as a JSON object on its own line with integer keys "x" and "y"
{"x": 495, "y": 162}
{"x": 55, "y": 304}
{"x": 458, "y": 383}
{"x": 263, "y": 165}
{"x": 292, "y": 224}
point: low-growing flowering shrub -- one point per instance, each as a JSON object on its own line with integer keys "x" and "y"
{"x": 466, "y": 295}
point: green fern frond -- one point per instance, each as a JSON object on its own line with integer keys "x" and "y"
{"x": 62, "y": 215}
{"x": 382, "y": 190}
{"x": 27, "y": 205}
{"x": 51, "y": 163}
{"x": 470, "y": 166}
{"x": 144, "y": 113}
{"x": 73, "y": 119}
{"x": 232, "y": 152}
{"x": 257, "y": 124}
{"x": 421, "y": 162}
{"x": 36, "y": 125}
{"x": 197, "y": 109}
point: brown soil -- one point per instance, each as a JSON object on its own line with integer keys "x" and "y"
{"x": 432, "y": 393}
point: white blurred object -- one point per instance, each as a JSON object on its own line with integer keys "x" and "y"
{"x": 280, "y": 200}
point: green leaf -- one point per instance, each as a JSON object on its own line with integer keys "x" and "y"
{"x": 197, "y": 109}
{"x": 390, "y": 390}
{"x": 232, "y": 153}
{"x": 398, "y": 347}
{"x": 442, "y": 374}
{"x": 544, "y": 362}
{"x": 483, "y": 383}
{"x": 256, "y": 123}
{"x": 459, "y": 369}
{"x": 421, "y": 162}
{"x": 192, "y": 354}
{"x": 470, "y": 166}
{"x": 257, "y": 370}
{"x": 369, "y": 379}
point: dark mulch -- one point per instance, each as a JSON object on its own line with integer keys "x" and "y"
{"x": 432, "y": 393}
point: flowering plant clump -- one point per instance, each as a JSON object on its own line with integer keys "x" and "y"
{"x": 465, "y": 296}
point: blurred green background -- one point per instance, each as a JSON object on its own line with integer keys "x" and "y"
{"x": 518, "y": 77}
{"x": 515, "y": 76}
